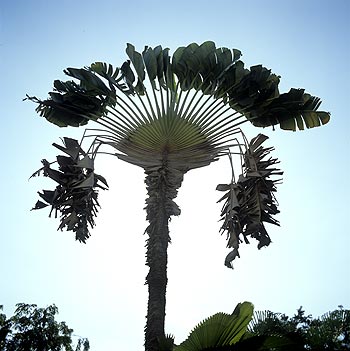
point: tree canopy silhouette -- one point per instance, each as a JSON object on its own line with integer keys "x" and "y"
{"x": 32, "y": 328}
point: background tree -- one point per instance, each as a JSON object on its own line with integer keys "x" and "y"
{"x": 35, "y": 329}
{"x": 331, "y": 331}
{"x": 185, "y": 116}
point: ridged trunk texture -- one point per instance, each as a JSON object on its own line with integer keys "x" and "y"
{"x": 162, "y": 184}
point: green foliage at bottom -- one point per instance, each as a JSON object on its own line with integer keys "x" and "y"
{"x": 266, "y": 331}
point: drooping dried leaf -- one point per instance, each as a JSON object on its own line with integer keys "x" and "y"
{"x": 75, "y": 196}
{"x": 39, "y": 204}
{"x": 250, "y": 202}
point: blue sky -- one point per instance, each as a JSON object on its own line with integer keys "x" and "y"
{"x": 99, "y": 287}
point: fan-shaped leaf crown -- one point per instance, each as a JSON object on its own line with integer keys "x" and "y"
{"x": 204, "y": 68}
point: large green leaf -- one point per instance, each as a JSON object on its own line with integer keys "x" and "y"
{"x": 292, "y": 110}
{"x": 136, "y": 60}
{"x": 88, "y": 81}
{"x": 219, "y": 330}
{"x": 74, "y": 105}
{"x": 150, "y": 61}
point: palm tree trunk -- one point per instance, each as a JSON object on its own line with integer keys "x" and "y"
{"x": 162, "y": 184}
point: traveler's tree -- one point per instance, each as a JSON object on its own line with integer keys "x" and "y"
{"x": 169, "y": 115}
